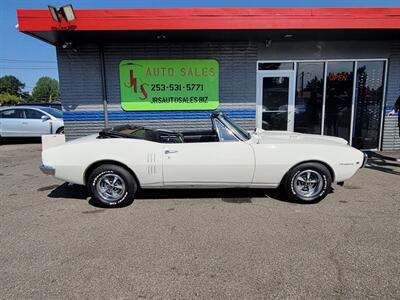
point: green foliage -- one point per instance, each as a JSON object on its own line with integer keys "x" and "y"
{"x": 11, "y": 85}
{"x": 46, "y": 90}
{"x": 26, "y": 97}
{"x": 8, "y": 99}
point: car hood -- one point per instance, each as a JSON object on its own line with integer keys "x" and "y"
{"x": 267, "y": 137}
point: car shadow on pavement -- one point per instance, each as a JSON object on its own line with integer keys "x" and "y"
{"x": 382, "y": 163}
{"x": 238, "y": 195}
{"x": 68, "y": 191}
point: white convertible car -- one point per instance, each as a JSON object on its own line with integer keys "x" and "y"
{"x": 116, "y": 162}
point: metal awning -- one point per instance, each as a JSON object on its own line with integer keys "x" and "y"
{"x": 212, "y": 24}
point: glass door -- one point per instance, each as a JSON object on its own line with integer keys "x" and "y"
{"x": 369, "y": 93}
{"x": 275, "y": 100}
{"x": 309, "y": 97}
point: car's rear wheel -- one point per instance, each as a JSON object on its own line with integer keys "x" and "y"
{"x": 308, "y": 183}
{"x": 112, "y": 185}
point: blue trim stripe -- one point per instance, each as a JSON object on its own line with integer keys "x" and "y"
{"x": 161, "y": 115}
{"x": 154, "y": 115}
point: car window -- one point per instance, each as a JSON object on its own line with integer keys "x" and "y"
{"x": 33, "y": 114}
{"x": 11, "y": 114}
{"x": 224, "y": 134}
{"x": 236, "y": 127}
{"x": 52, "y": 111}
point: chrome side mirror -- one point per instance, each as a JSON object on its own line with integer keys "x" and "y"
{"x": 45, "y": 118}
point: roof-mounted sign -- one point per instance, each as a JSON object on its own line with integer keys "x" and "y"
{"x": 189, "y": 84}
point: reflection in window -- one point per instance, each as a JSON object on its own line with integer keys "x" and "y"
{"x": 12, "y": 114}
{"x": 275, "y": 103}
{"x": 369, "y": 97}
{"x": 309, "y": 95}
{"x": 339, "y": 92}
{"x": 224, "y": 134}
{"x": 33, "y": 114}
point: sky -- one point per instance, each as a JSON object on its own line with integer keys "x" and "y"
{"x": 28, "y": 58}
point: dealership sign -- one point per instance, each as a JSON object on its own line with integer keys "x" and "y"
{"x": 169, "y": 84}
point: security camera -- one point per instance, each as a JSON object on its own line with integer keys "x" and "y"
{"x": 67, "y": 45}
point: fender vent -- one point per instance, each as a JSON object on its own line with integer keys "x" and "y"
{"x": 151, "y": 164}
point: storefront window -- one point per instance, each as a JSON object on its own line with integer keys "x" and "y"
{"x": 309, "y": 96}
{"x": 339, "y": 94}
{"x": 344, "y": 104}
{"x": 275, "y": 66}
{"x": 369, "y": 97}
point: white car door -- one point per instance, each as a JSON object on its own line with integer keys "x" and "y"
{"x": 11, "y": 122}
{"x": 212, "y": 163}
{"x": 229, "y": 162}
{"x": 34, "y": 125}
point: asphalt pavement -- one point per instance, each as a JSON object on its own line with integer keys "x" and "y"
{"x": 203, "y": 244}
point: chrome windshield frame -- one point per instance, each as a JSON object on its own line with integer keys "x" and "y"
{"x": 241, "y": 136}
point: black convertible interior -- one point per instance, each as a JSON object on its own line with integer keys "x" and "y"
{"x": 159, "y": 136}
{"x": 222, "y": 129}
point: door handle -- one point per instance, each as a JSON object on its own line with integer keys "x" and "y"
{"x": 24, "y": 123}
{"x": 170, "y": 151}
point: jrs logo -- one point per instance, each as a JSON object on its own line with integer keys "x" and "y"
{"x": 135, "y": 84}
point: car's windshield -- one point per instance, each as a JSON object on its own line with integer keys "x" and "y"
{"x": 236, "y": 127}
{"x": 53, "y": 111}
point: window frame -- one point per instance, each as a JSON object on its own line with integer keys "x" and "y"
{"x": 220, "y": 138}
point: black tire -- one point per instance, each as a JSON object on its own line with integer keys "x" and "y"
{"x": 60, "y": 130}
{"x": 307, "y": 178}
{"x": 100, "y": 189}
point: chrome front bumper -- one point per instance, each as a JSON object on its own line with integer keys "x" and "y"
{"x": 364, "y": 160}
{"x": 47, "y": 170}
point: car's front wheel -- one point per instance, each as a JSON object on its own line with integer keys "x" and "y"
{"x": 112, "y": 185}
{"x": 60, "y": 130}
{"x": 308, "y": 182}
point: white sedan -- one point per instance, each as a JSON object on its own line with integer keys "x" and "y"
{"x": 30, "y": 121}
{"x": 116, "y": 162}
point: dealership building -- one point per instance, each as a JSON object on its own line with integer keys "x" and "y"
{"x": 331, "y": 71}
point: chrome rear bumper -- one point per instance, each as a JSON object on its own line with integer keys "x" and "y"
{"x": 47, "y": 170}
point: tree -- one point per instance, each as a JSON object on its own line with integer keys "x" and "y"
{"x": 46, "y": 90}
{"x": 11, "y": 85}
{"x": 7, "y": 99}
{"x": 26, "y": 96}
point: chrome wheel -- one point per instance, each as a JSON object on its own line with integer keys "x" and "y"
{"x": 308, "y": 184}
{"x": 110, "y": 187}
